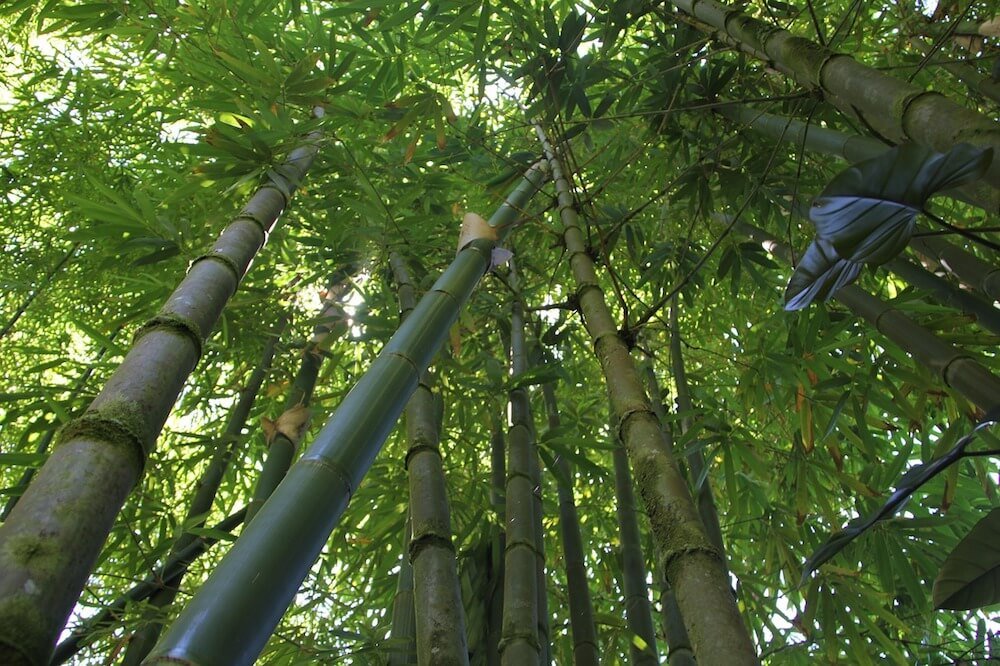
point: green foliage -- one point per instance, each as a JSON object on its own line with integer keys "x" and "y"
{"x": 130, "y": 132}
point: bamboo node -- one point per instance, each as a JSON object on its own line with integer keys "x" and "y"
{"x": 628, "y": 414}
{"x": 225, "y": 259}
{"x": 119, "y": 425}
{"x": 172, "y": 322}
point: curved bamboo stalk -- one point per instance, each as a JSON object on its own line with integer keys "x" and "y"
{"x": 52, "y": 538}
{"x": 403, "y": 650}
{"x": 520, "y": 641}
{"x": 969, "y": 268}
{"x": 207, "y": 488}
{"x": 176, "y": 565}
{"x": 638, "y": 610}
{"x": 693, "y": 565}
{"x": 586, "y": 650}
{"x": 947, "y": 293}
{"x": 952, "y": 366}
{"x": 231, "y": 617}
{"x": 282, "y": 440}
{"x": 437, "y": 593}
{"x": 679, "y": 652}
{"x": 893, "y": 108}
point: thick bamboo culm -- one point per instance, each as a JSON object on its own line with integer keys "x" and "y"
{"x": 520, "y": 638}
{"x": 693, "y": 565}
{"x": 64, "y": 517}
{"x": 437, "y": 594}
{"x": 231, "y": 617}
{"x": 892, "y": 107}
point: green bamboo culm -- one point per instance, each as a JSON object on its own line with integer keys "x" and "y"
{"x": 402, "y": 633}
{"x": 231, "y": 617}
{"x": 638, "y": 610}
{"x": 208, "y": 486}
{"x": 586, "y": 650}
{"x": 679, "y": 651}
{"x": 437, "y": 593}
{"x": 286, "y": 432}
{"x": 520, "y": 634}
{"x": 954, "y": 367}
{"x": 984, "y": 85}
{"x": 52, "y": 538}
{"x": 692, "y": 564}
{"x": 895, "y": 109}
{"x": 171, "y": 570}
{"x": 494, "y": 602}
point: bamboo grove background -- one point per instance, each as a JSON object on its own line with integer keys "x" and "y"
{"x": 132, "y": 132}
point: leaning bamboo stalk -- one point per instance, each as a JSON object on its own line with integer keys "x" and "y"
{"x": 207, "y": 488}
{"x": 52, "y": 538}
{"x": 679, "y": 651}
{"x": 692, "y": 564}
{"x": 955, "y": 368}
{"x": 521, "y": 633}
{"x": 285, "y": 434}
{"x": 586, "y": 651}
{"x": 638, "y": 610}
{"x": 231, "y": 617}
{"x": 403, "y": 648}
{"x": 853, "y": 148}
{"x": 704, "y": 497}
{"x": 892, "y": 107}
{"x": 437, "y": 593}
{"x": 849, "y": 147}
{"x": 177, "y": 565}
{"x": 970, "y": 269}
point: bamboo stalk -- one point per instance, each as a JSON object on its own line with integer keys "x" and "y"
{"x": 586, "y": 651}
{"x": 638, "y": 610}
{"x": 208, "y": 487}
{"x": 52, "y": 538}
{"x": 679, "y": 652}
{"x": 693, "y": 565}
{"x": 951, "y": 365}
{"x": 967, "y": 74}
{"x": 893, "y": 108}
{"x": 498, "y": 476}
{"x": 403, "y": 649}
{"x": 520, "y": 641}
{"x": 440, "y": 621}
{"x": 231, "y": 617}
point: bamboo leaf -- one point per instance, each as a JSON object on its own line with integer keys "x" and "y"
{"x": 970, "y": 575}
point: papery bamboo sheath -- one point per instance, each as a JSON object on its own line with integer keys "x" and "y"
{"x": 693, "y": 565}
{"x": 231, "y": 617}
{"x": 52, "y": 538}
